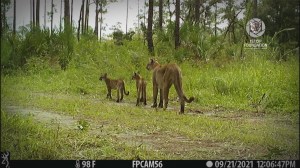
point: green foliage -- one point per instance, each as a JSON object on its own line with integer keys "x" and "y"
{"x": 36, "y": 43}
{"x": 119, "y": 36}
{"x": 11, "y": 54}
{"x": 67, "y": 40}
{"x": 221, "y": 87}
{"x": 18, "y": 49}
{"x": 88, "y": 34}
{"x": 35, "y": 65}
{"x": 5, "y": 5}
{"x": 6, "y": 50}
{"x": 232, "y": 83}
{"x": 181, "y": 54}
{"x": 279, "y": 15}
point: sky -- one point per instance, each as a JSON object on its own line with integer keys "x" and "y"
{"x": 116, "y": 12}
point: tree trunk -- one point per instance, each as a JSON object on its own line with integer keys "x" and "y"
{"x": 189, "y": 15}
{"x": 67, "y": 15}
{"x": 144, "y": 22}
{"x": 67, "y": 45}
{"x": 80, "y": 21}
{"x": 82, "y": 17}
{"x": 231, "y": 27}
{"x": 197, "y": 11}
{"x": 170, "y": 13}
{"x": 233, "y": 33}
{"x": 37, "y": 13}
{"x": 2, "y": 15}
{"x": 126, "y": 17}
{"x": 254, "y": 8}
{"x": 60, "y": 26}
{"x": 14, "y": 22}
{"x": 86, "y": 15}
{"x": 51, "y": 17}
{"x": 138, "y": 28}
{"x": 71, "y": 13}
{"x": 101, "y": 19}
{"x": 160, "y": 14}
{"x": 216, "y": 10}
{"x": 30, "y": 8}
{"x": 33, "y": 13}
{"x": 45, "y": 14}
{"x": 96, "y": 18}
{"x": 176, "y": 31}
{"x": 149, "y": 32}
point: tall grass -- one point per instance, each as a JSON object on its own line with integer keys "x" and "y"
{"x": 240, "y": 84}
{"x": 228, "y": 82}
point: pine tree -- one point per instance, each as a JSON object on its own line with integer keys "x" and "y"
{"x": 177, "y": 23}
{"x": 160, "y": 14}
{"x": 14, "y": 21}
{"x": 149, "y": 30}
{"x": 37, "y": 13}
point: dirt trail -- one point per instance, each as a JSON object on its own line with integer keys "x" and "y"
{"x": 46, "y": 117}
{"x": 170, "y": 143}
{"x": 165, "y": 142}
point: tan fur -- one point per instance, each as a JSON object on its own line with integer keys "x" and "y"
{"x": 117, "y": 84}
{"x": 140, "y": 88}
{"x": 163, "y": 77}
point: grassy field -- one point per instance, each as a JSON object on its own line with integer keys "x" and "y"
{"x": 69, "y": 117}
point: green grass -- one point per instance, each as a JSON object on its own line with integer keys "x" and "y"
{"x": 244, "y": 131}
{"x": 227, "y": 92}
{"x": 230, "y": 83}
{"x": 25, "y": 138}
{"x": 238, "y": 84}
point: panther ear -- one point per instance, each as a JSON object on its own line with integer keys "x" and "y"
{"x": 151, "y": 60}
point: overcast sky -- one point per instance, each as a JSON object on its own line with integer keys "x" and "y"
{"x": 116, "y": 12}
